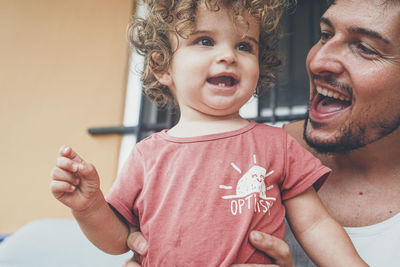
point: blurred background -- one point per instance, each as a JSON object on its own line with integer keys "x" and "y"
{"x": 63, "y": 69}
{"x": 67, "y": 77}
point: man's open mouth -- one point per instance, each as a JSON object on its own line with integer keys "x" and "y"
{"x": 223, "y": 81}
{"x": 328, "y": 101}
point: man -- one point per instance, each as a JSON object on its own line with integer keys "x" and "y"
{"x": 353, "y": 127}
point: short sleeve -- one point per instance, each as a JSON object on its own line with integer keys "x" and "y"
{"x": 302, "y": 169}
{"x": 127, "y": 187}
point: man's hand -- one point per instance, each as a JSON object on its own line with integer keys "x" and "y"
{"x": 138, "y": 244}
{"x": 273, "y": 247}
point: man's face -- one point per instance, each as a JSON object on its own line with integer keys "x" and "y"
{"x": 354, "y": 73}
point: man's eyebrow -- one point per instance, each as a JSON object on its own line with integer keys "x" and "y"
{"x": 359, "y": 30}
{"x": 326, "y": 21}
{"x": 369, "y": 32}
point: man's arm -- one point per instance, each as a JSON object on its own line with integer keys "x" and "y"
{"x": 323, "y": 239}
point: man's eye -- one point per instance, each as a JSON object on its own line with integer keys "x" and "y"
{"x": 205, "y": 41}
{"x": 366, "y": 51}
{"x": 325, "y": 36}
{"x": 244, "y": 47}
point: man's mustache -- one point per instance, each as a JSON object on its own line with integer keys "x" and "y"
{"x": 334, "y": 83}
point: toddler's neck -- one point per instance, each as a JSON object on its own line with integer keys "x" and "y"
{"x": 186, "y": 128}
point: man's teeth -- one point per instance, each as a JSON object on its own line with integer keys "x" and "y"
{"x": 221, "y": 84}
{"x": 332, "y": 94}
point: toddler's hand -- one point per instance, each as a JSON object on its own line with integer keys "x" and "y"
{"x": 73, "y": 181}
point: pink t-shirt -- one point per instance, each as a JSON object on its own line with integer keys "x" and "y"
{"x": 197, "y": 199}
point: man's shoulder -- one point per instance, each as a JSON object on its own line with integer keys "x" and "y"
{"x": 295, "y": 129}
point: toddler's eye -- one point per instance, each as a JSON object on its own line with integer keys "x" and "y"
{"x": 205, "y": 41}
{"x": 244, "y": 47}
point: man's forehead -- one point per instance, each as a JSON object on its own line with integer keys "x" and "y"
{"x": 379, "y": 2}
{"x": 367, "y": 16}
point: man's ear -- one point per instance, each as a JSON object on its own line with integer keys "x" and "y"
{"x": 163, "y": 76}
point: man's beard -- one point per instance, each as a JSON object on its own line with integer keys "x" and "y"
{"x": 351, "y": 137}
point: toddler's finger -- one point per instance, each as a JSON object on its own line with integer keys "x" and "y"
{"x": 62, "y": 175}
{"x": 68, "y": 152}
{"x": 67, "y": 164}
{"x": 64, "y": 150}
{"x": 58, "y": 188}
{"x": 86, "y": 169}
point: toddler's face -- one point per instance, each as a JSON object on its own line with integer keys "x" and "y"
{"x": 215, "y": 70}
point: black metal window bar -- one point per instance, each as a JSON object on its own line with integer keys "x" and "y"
{"x": 301, "y": 30}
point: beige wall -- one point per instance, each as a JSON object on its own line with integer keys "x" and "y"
{"x": 63, "y": 69}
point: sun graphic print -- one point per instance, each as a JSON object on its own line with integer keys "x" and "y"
{"x": 251, "y": 192}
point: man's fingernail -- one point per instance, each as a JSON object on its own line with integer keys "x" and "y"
{"x": 142, "y": 247}
{"x": 256, "y": 236}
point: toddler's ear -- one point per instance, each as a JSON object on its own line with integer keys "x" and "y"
{"x": 163, "y": 76}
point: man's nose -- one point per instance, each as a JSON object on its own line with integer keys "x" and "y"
{"x": 327, "y": 58}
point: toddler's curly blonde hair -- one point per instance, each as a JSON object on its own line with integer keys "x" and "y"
{"x": 150, "y": 37}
